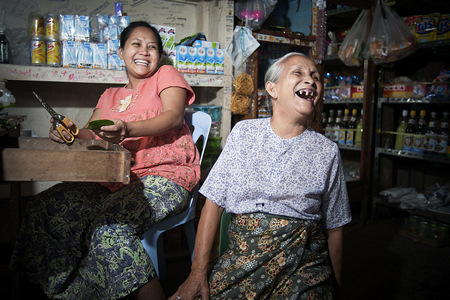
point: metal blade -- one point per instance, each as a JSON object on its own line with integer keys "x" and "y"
{"x": 45, "y": 105}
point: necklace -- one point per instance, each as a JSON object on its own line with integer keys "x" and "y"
{"x": 126, "y": 103}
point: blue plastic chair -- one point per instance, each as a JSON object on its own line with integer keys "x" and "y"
{"x": 151, "y": 240}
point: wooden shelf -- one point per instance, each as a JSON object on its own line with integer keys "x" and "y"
{"x": 74, "y": 75}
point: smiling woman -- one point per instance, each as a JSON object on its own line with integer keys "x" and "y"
{"x": 284, "y": 185}
{"x": 93, "y": 230}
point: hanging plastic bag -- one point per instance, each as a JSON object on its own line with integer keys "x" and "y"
{"x": 242, "y": 45}
{"x": 390, "y": 39}
{"x": 253, "y": 12}
{"x": 353, "y": 48}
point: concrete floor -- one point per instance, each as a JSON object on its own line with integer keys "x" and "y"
{"x": 379, "y": 264}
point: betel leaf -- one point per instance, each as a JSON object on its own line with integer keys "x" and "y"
{"x": 97, "y": 124}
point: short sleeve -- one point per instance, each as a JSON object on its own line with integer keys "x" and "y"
{"x": 335, "y": 204}
{"x": 168, "y": 77}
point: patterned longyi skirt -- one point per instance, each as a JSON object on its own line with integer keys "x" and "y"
{"x": 82, "y": 241}
{"x": 273, "y": 257}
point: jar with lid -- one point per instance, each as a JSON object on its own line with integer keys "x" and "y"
{"x": 4, "y": 47}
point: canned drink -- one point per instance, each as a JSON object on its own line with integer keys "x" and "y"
{"x": 424, "y": 229}
{"x": 37, "y": 49}
{"x": 36, "y": 26}
{"x": 54, "y": 52}
{"x": 52, "y": 26}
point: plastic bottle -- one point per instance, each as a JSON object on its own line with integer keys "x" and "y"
{"x": 345, "y": 120}
{"x": 4, "y": 47}
{"x": 410, "y": 129}
{"x": 401, "y": 130}
{"x": 359, "y": 129}
{"x": 418, "y": 140}
{"x": 430, "y": 135}
{"x": 330, "y": 125}
{"x": 442, "y": 137}
{"x": 337, "y": 125}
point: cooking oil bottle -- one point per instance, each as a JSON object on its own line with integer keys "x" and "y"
{"x": 401, "y": 130}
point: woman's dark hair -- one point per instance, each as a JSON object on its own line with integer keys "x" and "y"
{"x": 125, "y": 35}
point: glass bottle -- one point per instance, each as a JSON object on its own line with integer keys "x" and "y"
{"x": 401, "y": 130}
{"x": 350, "y": 136}
{"x": 330, "y": 125}
{"x": 4, "y": 47}
{"x": 337, "y": 125}
{"x": 409, "y": 131}
{"x": 359, "y": 130}
{"x": 430, "y": 135}
{"x": 442, "y": 137}
{"x": 345, "y": 121}
{"x": 419, "y": 138}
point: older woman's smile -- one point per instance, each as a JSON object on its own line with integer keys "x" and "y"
{"x": 307, "y": 94}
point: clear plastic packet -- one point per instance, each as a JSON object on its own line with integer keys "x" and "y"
{"x": 390, "y": 39}
{"x": 353, "y": 48}
{"x": 253, "y": 12}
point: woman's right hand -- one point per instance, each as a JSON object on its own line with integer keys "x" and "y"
{"x": 195, "y": 285}
{"x": 54, "y": 134}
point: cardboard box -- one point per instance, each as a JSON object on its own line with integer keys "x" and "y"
{"x": 357, "y": 91}
{"x": 397, "y": 90}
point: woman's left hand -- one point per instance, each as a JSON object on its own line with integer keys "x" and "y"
{"x": 113, "y": 133}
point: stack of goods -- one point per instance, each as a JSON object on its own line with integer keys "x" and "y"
{"x": 435, "y": 90}
{"x": 338, "y": 88}
{"x": 77, "y": 41}
{"x": 204, "y": 57}
{"x": 243, "y": 88}
{"x": 429, "y": 28}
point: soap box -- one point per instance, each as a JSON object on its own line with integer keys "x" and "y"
{"x": 357, "y": 91}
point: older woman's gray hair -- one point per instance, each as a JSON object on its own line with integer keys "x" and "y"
{"x": 273, "y": 74}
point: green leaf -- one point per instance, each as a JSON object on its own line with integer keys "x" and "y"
{"x": 97, "y": 124}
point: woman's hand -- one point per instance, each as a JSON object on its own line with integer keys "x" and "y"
{"x": 195, "y": 285}
{"x": 113, "y": 133}
{"x": 54, "y": 134}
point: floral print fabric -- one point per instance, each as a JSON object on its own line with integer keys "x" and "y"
{"x": 272, "y": 257}
{"x": 81, "y": 241}
{"x": 300, "y": 177}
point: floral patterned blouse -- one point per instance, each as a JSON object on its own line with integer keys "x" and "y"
{"x": 300, "y": 177}
{"x": 172, "y": 155}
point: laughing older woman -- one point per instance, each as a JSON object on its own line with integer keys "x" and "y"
{"x": 284, "y": 185}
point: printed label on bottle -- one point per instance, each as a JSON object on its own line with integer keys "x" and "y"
{"x": 349, "y": 139}
{"x": 430, "y": 143}
{"x": 418, "y": 144}
{"x": 441, "y": 144}
{"x": 407, "y": 143}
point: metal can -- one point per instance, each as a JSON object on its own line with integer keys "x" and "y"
{"x": 51, "y": 26}
{"x": 36, "y": 25}
{"x": 37, "y": 50}
{"x": 54, "y": 52}
{"x": 424, "y": 229}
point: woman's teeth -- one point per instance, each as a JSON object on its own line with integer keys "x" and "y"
{"x": 141, "y": 62}
{"x": 305, "y": 94}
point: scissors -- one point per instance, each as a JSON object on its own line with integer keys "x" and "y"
{"x": 61, "y": 122}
